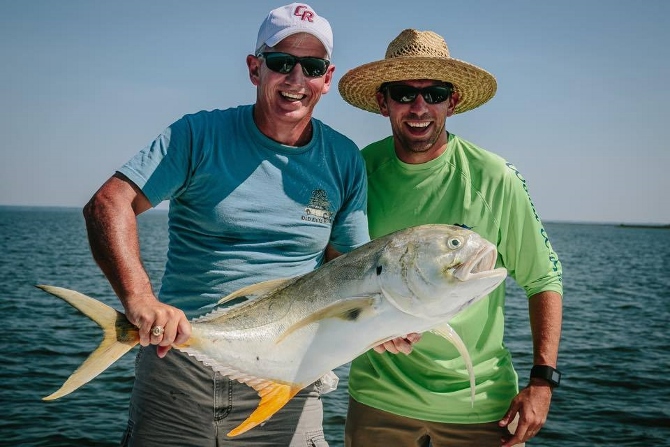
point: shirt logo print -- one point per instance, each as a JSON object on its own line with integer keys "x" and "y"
{"x": 318, "y": 208}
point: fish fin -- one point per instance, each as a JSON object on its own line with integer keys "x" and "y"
{"x": 119, "y": 337}
{"x": 255, "y": 289}
{"x": 273, "y": 397}
{"x": 450, "y": 334}
{"x": 350, "y": 309}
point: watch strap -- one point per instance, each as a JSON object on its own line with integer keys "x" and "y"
{"x": 546, "y": 372}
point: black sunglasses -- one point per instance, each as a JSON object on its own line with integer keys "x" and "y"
{"x": 405, "y": 94}
{"x": 312, "y": 67}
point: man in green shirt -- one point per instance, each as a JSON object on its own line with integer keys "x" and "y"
{"x": 423, "y": 174}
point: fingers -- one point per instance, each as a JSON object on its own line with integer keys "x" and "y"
{"x": 380, "y": 349}
{"x": 183, "y": 331}
{"x": 162, "y": 325}
{"x": 388, "y": 346}
{"x": 398, "y": 345}
{"x": 401, "y": 345}
{"x": 509, "y": 416}
{"x": 414, "y": 337}
{"x": 521, "y": 428}
{"x": 520, "y": 436}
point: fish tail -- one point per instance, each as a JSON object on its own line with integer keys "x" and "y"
{"x": 120, "y": 336}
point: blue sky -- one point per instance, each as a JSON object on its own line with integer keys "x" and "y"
{"x": 580, "y": 110}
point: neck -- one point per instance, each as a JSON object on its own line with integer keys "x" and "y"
{"x": 414, "y": 155}
{"x": 297, "y": 133}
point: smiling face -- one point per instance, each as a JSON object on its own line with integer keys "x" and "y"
{"x": 418, "y": 127}
{"x": 285, "y": 102}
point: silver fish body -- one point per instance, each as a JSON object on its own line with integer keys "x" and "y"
{"x": 291, "y": 332}
{"x": 405, "y": 282}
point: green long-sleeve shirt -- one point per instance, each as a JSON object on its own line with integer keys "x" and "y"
{"x": 471, "y": 187}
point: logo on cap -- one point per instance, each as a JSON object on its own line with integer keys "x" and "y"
{"x": 304, "y": 13}
{"x": 292, "y": 19}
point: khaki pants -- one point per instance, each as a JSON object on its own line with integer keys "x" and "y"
{"x": 369, "y": 427}
{"x": 177, "y": 401}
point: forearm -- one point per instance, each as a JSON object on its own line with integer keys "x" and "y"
{"x": 111, "y": 225}
{"x": 531, "y": 405}
{"x": 546, "y": 315}
{"x": 331, "y": 253}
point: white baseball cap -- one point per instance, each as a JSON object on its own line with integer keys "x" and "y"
{"x": 292, "y": 19}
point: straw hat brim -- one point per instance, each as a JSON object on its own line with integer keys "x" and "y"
{"x": 474, "y": 85}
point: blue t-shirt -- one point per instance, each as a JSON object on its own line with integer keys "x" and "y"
{"x": 244, "y": 208}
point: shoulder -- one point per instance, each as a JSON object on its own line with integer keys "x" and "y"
{"x": 335, "y": 137}
{"x": 204, "y": 117}
{"x": 378, "y": 154}
{"x": 478, "y": 161}
{"x": 206, "y": 124}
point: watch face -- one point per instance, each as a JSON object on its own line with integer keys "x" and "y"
{"x": 547, "y": 373}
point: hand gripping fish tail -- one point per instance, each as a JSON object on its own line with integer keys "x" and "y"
{"x": 280, "y": 340}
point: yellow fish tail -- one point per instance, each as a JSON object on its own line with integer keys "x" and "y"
{"x": 120, "y": 336}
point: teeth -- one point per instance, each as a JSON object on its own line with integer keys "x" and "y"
{"x": 421, "y": 124}
{"x": 292, "y": 96}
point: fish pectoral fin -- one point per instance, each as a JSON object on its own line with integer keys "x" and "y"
{"x": 350, "y": 309}
{"x": 255, "y": 290}
{"x": 273, "y": 397}
{"x": 450, "y": 334}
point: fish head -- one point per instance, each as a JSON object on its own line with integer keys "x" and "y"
{"x": 434, "y": 271}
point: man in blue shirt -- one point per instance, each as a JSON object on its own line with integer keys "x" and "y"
{"x": 256, "y": 192}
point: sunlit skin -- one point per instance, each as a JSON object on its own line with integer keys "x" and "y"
{"x": 285, "y": 102}
{"x": 419, "y": 132}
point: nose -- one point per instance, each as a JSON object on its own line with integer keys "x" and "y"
{"x": 419, "y": 104}
{"x": 295, "y": 75}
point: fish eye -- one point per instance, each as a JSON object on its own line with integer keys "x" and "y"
{"x": 454, "y": 242}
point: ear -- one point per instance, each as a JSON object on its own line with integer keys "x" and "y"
{"x": 381, "y": 100}
{"x": 453, "y": 101}
{"x": 254, "y": 66}
{"x": 327, "y": 79}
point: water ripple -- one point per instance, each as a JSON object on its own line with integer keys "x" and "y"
{"x": 614, "y": 350}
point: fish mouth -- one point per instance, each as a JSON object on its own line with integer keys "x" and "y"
{"x": 481, "y": 265}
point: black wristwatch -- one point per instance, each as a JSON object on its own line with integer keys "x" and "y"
{"x": 551, "y": 375}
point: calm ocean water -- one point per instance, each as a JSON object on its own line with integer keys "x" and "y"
{"x": 615, "y": 351}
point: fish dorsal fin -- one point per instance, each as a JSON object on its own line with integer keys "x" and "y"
{"x": 350, "y": 309}
{"x": 273, "y": 397}
{"x": 255, "y": 290}
{"x": 450, "y": 334}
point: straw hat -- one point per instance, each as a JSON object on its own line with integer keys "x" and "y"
{"x": 417, "y": 55}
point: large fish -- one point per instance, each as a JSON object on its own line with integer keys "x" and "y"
{"x": 291, "y": 332}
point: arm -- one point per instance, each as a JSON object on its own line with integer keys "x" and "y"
{"x": 331, "y": 253}
{"x": 112, "y": 232}
{"x": 532, "y": 403}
